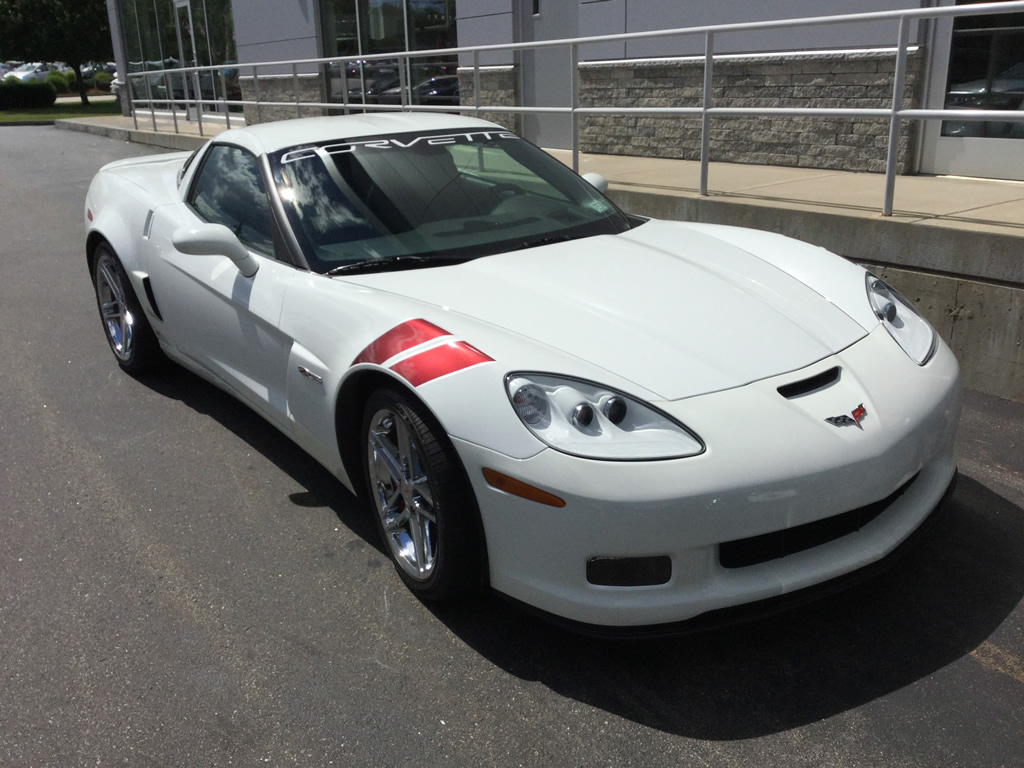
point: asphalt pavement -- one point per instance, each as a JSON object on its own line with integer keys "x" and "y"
{"x": 181, "y": 586}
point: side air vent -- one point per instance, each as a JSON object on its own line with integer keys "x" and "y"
{"x": 820, "y": 381}
{"x": 151, "y": 298}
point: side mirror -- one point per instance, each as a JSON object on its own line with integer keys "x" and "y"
{"x": 215, "y": 240}
{"x": 596, "y": 180}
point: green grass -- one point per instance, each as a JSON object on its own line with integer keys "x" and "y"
{"x": 96, "y": 108}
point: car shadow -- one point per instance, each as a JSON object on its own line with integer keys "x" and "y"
{"x": 322, "y": 489}
{"x": 939, "y": 602}
{"x": 958, "y": 583}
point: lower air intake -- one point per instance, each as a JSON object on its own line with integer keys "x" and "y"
{"x": 777, "y": 544}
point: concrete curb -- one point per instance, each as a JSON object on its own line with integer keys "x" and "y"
{"x": 171, "y": 141}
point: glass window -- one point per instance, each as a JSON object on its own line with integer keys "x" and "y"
{"x": 428, "y": 199}
{"x": 230, "y": 191}
{"x": 152, "y": 29}
{"x": 352, "y": 29}
{"x": 986, "y": 71}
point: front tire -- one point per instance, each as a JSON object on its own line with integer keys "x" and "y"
{"x": 125, "y": 325}
{"x": 424, "y": 508}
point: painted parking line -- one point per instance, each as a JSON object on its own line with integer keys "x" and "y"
{"x": 995, "y": 658}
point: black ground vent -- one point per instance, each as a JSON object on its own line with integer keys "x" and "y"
{"x": 772, "y": 546}
{"x": 798, "y": 388}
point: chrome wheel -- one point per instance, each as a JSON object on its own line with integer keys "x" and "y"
{"x": 117, "y": 317}
{"x": 400, "y": 483}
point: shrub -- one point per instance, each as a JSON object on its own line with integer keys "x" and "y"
{"x": 57, "y": 80}
{"x": 26, "y": 95}
{"x": 103, "y": 81}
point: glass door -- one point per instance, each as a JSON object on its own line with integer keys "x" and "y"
{"x": 983, "y": 69}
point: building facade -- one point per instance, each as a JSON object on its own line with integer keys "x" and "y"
{"x": 973, "y": 62}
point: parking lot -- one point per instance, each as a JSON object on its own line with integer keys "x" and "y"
{"x": 182, "y": 586}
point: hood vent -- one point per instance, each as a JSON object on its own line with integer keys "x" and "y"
{"x": 820, "y": 381}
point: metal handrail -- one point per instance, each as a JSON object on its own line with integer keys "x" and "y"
{"x": 894, "y": 113}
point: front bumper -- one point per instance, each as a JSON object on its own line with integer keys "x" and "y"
{"x": 772, "y": 464}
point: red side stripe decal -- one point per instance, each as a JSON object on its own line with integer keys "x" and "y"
{"x": 409, "y": 334}
{"x": 439, "y": 361}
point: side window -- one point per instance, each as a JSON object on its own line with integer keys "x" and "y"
{"x": 229, "y": 190}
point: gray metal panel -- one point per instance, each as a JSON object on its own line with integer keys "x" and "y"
{"x": 645, "y": 15}
{"x": 546, "y": 72}
{"x": 466, "y": 10}
{"x": 287, "y": 25}
{"x": 117, "y": 38}
{"x": 602, "y": 17}
{"x": 282, "y": 50}
{"x": 493, "y": 29}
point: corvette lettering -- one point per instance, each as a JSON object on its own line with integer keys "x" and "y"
{"x": 432, "y": 141}
{"x": 853, "y": 419}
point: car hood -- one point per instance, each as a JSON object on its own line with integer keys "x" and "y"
{"x": 675, "y": 310}
{"x": 999, "y": 85}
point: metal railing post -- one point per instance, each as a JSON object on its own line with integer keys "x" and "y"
{"x": 574, "y": 103}
{"x": 132, "y": 100}
{"x": 705, "y": 118}
{"x": 295, "y": 88}
{"x": 224, "y": 100}
{"x": 256, "y": 94}
{"x": 476, "y": 83}
{"x": 199, "y": 100}
{"x": 174, "y": 112}
{"x": 149, "y": 97}
{"x": 343, "y": 74}
{"x": 362, "y": 77}
{"x": 403, "y": 82}
{"x": 894, "y": 121}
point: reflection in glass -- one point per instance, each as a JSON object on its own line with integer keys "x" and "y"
{"x": 986, "y": 71}
{"x": 207, "y": 38}
{"x": 432, "y": 199}
{"x": 352, "y": 29}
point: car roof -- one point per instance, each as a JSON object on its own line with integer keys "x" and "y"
{"x": 274, "y": 136}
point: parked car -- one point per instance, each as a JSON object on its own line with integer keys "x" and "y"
{"x": 1006, "y": 93}
{"x": 374, "y": 89}
{"x": 90, "y": 69}
{"x": 9, "y": 66}
{"x": 442, "y": 90}
{"x": 33, "y": 72}
{"x": 619, "y": 421}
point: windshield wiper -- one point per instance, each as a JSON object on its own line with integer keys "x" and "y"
{"x": 398, "y": 261}
{"x": 549, "y": 240}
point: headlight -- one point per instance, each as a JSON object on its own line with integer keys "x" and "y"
{"x": 585, "y": 419}
{"x": 901, "y": 320}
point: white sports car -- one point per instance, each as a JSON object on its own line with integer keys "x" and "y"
{"x": 621, "y": 422}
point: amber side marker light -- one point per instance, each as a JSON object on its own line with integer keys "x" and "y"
{"x": 521, "y": 489}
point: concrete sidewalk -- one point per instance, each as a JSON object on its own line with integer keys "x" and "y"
{"x": 953, "y": 245}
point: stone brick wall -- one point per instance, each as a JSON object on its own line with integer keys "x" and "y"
{"x": 499, "y": 87}
{"x": 829, "y": 80}
{"x": 280, "y": 88}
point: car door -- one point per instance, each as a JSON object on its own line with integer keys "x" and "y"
{"x": 224, "y": 322}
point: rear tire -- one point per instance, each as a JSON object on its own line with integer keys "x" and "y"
{"x": 423, "y": 505}
{"x": 125, "y": 325}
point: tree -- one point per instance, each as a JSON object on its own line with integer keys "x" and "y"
{"x": 72, "y": 31}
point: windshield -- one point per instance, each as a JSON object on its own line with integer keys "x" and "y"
{"x": 442, "y": 198}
